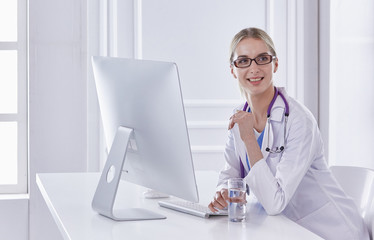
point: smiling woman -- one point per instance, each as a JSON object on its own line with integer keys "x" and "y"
{"x": 275, "y": 145}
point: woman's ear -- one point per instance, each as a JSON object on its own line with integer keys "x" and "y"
{"x": 233, "y": 72}
{"x": 275, "y": 65}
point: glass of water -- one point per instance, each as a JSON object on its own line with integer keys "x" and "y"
{"x": 237, "y": 199}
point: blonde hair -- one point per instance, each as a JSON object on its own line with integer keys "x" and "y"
{"x": 251, "y": 33}
{"x": 255, "y": 33}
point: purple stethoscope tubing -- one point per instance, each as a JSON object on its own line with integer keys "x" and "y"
{"x": 276, "y": 94}
{"x": 286, "y": 114}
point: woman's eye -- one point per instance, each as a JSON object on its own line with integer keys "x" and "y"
{"x": 243, "y": 61}
{"x": 263, "y": 59}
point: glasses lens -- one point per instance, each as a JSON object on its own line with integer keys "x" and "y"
{"x": 263, "y": 59}
{"x": 242, "y": 62}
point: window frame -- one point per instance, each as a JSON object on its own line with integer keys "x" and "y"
{"x": 21, "y": 117}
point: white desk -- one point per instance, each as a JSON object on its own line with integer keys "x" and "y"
{"x": 69, "y": 196}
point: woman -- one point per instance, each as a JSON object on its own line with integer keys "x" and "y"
{"x": 275, "y": 144}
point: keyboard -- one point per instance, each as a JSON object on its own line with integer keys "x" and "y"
{"x": 195, "y": 209}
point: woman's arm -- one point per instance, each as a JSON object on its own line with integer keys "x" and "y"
{"x": 274, "y": 191}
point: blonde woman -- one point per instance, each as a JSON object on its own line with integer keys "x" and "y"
{"x": 274, "y": 144}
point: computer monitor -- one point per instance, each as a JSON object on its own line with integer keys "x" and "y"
{"x": 145, "y": 127}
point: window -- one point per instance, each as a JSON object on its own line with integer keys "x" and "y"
{"x": 13, "y": 96}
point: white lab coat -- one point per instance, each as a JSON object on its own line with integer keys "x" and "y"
{"x": 296, "y": 182}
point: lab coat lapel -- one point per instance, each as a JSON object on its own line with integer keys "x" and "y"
{"x": 268, "y": 138}
{"x": 276, "y": 115}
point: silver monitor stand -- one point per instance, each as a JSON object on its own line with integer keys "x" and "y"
{"x": 106, "y": 191}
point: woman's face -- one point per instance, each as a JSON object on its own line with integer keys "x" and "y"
{"x": 255, "y": 79}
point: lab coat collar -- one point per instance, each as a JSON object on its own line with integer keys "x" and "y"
{"x": 279, "y": 107}
{"x": 276, "y": 114}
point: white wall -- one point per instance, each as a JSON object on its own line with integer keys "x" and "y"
{"x": 351, "y": 83}
{"x": 324, "y": 73}
{"x": 14, "y": 222}
{"x": 57, "y": 99}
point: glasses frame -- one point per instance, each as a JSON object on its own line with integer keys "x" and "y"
{"x": 253, "y": 59}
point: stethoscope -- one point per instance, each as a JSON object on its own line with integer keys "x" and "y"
{"x": 286, "y": 114}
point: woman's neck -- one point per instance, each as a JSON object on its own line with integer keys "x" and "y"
{"x": 259, "y": 105}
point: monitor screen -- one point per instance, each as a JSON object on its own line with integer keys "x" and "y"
{"x": 145, "y": 97}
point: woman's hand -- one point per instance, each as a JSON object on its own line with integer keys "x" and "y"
{"x": 219, "y": 201}
{"x": 245, "y": 123}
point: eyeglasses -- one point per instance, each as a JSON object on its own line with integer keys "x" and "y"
{"x": 243, "y": 62}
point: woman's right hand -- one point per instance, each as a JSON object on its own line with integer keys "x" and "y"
{"x": 245, "y": 121}
{"x": 220, "y": 200}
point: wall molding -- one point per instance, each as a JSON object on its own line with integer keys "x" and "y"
{"x": 202, "y": 103}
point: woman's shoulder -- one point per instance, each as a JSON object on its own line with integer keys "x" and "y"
{"x": 298, "y": 110}
{"x": 239, "y": 107}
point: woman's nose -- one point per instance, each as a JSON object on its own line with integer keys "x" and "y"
{"x": 253, "y": 68}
